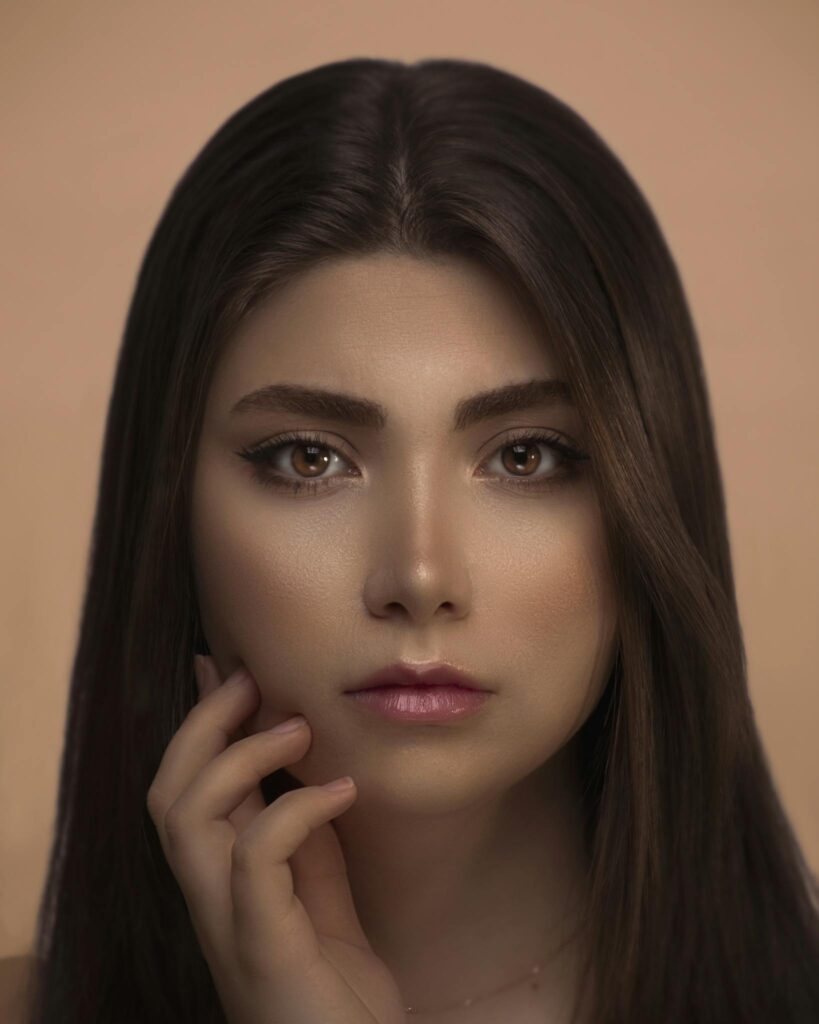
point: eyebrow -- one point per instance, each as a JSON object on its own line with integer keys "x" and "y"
{"x": 362, "y": 412}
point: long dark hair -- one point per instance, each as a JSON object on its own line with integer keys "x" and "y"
{"x": 702, "y": 906}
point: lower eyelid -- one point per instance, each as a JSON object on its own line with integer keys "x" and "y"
{"x": 261, "y": 458}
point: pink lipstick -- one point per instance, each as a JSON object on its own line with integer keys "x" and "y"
{"x": 426, "y": 693}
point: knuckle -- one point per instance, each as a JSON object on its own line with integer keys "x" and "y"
{"x": 154, "y": 803}
{"x": 246, "y": 854}
{"x": 176, "y": 823}
{"x": 252, "y": 848}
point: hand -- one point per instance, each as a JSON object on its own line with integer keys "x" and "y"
{"x": 266, "y": 886}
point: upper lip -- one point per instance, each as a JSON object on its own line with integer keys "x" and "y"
{"x": 402, "y": 673}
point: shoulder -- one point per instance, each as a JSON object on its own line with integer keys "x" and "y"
{"x": 14, "y": 974}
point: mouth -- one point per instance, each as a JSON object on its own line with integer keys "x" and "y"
{"x": 419, "y": 676}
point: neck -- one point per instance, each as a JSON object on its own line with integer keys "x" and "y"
{"x": 460, "y": 902}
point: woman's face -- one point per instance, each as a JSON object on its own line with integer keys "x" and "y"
{"x": 425, "y": 541}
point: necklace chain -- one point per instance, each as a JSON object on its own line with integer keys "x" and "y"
{"x": 531, "y": 976}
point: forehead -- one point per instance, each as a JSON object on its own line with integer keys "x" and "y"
{"x": 393, "y": 327}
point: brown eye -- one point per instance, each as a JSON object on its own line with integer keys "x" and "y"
{"x": 309, "y": 459}
{"x": 305, "y": 470}
{"x": 521, "y": 459}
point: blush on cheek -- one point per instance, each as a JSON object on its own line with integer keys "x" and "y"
{"x": 564, "y": 621}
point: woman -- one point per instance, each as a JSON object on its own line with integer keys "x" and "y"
{"x": 409, "y": 382}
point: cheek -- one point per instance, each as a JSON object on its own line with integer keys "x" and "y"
{"x": 555, "y": 619}
{"x": 265, "y": 573}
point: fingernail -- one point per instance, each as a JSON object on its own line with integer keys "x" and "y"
{"x": 343, "y": 783}
{"x": 290, "y": 725}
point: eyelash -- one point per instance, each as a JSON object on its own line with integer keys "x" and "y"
{"x": 262, "y": 455}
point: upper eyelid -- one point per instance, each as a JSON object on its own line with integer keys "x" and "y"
{"x": 513, "y": 436}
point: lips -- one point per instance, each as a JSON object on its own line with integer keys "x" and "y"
{"x": 419, "y": 675}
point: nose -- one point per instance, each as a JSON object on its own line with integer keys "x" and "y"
{"x": 419, "y": 568}
{"x": 417, "y": 589}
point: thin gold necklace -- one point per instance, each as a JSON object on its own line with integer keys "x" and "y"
{"x": 531, "y": 976}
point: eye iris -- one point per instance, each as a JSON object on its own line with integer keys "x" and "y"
{"x": 521, "y": 460}
{"x": 314, "y": 463}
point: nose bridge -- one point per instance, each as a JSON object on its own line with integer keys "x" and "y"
{"x": 419, "y": 560}
{"x": 425, "y": 502}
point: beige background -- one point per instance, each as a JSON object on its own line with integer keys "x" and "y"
{"x": 712, "y": 106}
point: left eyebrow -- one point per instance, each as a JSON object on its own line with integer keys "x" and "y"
{"x": 363, "y": 412}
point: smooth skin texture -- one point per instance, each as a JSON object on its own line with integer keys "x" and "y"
{"x": 462, "y": 842}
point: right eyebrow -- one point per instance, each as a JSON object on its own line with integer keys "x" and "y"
{"x": 363, "y": 412}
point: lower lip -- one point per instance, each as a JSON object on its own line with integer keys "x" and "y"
{"x": 421, "y": 703}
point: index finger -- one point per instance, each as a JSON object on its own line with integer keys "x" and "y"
{"x": 204, "y": 734}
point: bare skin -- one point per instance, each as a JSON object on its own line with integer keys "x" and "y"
{"x": 462, "y": 843}
{"x": 274, "y": 955}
